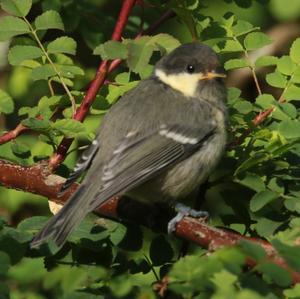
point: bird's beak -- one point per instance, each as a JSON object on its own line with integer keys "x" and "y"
{"x": 211, "y": 75}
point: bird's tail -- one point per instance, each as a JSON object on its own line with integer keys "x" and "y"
{"x": 62, "y": 224}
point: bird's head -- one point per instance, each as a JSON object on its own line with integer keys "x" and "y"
{"x": 193, "y": 69}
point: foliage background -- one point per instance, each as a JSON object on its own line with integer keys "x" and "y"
{"x": 255, "y": 190}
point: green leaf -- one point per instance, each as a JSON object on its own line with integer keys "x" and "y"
{"x": 293, "y": 292}
{"x": 290, "y": 253}
{"x": 257, "y": 158}
{"x": 111, "y": 50}
{"x": 69, "y": 127}
{"x": 4, "y": 263}
{"x": 262, "y": 198}
{"x": 243, "y": 106}
{"x": 290, "y": 129}
{"x": 253, "y": 250}
{"x": 18, "y": 8}
{"x": 295, "y": 51}
{"x": 292, "y": 204}
{"x": 256, "y": 40}
{"x": 232, "y": 46}
{"x": 18, "y": 54}
{"x": 43, "y": 72}
{"x": 62, "y": 44}
{"x": 6, "y": 103}
{"x": 286, "y": 66}
{"x": 20, "y": 150}
{"x": 235, "y": 64}
{"x": 252, "y": 181}
{"x": 242, "y": 27}
{"x": 161, "y": 251}
{"x": 165, "y": 41}
{"x": 139, "y": 55}
{"x": 36, "y": 124}
{"x": 275, "y": 273}
{"x": 292, "y": 93}
{"x": 266, "y": 61}
{"x": 69, "y": 71}
{"x": 267, "y": 101}
{"x": 12, "y": 26}
{"x": 266, "y": 227}
{"x": 49, "y": 20}
{"x": 276, "y": 79}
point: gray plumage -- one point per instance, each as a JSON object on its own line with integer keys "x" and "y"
{"x": 155, "y": 144}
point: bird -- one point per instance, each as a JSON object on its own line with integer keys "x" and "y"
{"x": 156, "y": 144}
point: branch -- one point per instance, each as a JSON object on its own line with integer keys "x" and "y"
{"x": 37, "y": 179}
{"x": 96, "y": 84}
{"x": 8, "y": 136}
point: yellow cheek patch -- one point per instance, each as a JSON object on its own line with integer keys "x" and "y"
{"x": 183, "y": 82}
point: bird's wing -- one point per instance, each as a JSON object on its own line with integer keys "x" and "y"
{"x": 82, "y": 165}
{"x": 136, "y": 159}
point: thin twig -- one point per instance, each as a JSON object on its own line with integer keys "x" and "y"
{"x": 33, "y": 31}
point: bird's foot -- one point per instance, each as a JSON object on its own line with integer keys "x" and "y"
{"x": 182, "y": 211}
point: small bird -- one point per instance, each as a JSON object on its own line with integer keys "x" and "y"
{"x": 156, "y": 144}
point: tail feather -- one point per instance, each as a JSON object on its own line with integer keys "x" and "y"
{"x": 60, "y": 226}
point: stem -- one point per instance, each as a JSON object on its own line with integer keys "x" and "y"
{"x": 52, "y": 64}
{"x": 251, "y": 66}
{"x": 51, "y": 87}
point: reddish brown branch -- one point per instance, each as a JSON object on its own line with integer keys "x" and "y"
{"x": 96, "y": 84}
{"x": 8, "y": 136}
{"x": 36, "y": 179}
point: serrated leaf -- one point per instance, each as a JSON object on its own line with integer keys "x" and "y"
{"x": 18, "y": 54}
{"x": 235, "y": 64}
{"x": 18, "y": 8}
{"x": 43, "y": 72}
{"x": 276, "y": 79}
{"x": 266, "y": 61}
{"x": 62, "y": 44}
{"x": 290, "y": 129}
{"x": 295, "y": 51}
{"x": 69, "y": 127}
{"x": 262, "y": 198}
{"x": 12, "y": 26}
{"x": 111, "y": 50}
{"x": 49, "y": 20}
{"x": 6, "y": 103}
{"x": 256, "y": 40}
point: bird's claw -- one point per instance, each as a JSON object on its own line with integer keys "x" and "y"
{"x": 182, "y": 211}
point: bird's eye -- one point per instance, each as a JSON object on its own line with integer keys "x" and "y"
{"x": 190, "y": 68}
